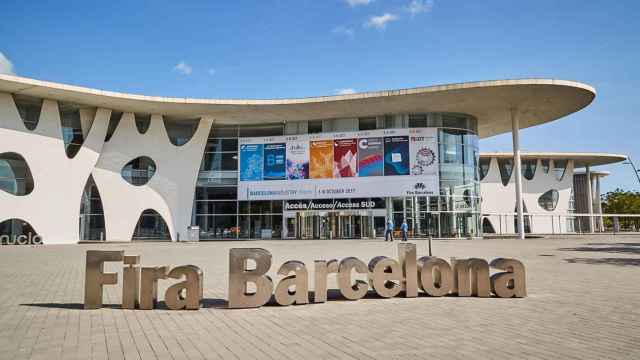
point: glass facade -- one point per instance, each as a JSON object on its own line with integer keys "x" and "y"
{"x": 451, "y": 214}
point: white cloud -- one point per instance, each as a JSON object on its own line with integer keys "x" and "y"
{"x": 419, "y": 6}
{"x": 353, "y": 3}
{"x": 380, "y": 22}
{"x": 345, "y": 91}
{"x": 211, "y": 71}
{"x": 6, "y": 67}
{"x": 183, "y": 68}
{"x": 343, "y": 30}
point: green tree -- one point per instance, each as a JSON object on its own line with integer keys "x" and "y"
{"x": 621, "y": 202}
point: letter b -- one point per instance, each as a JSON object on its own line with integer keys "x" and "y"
{"x": 239, "y": 277}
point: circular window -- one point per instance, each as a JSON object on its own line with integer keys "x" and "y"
{"x": 549, "y": 200}
{"x": 139, "y": 171}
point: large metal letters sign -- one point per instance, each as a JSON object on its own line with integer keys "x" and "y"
{"x": 339, "y": 165}
{"x": 386, "y": 276}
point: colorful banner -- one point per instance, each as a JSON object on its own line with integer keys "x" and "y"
{"x": 251, "y": 162}
{"x": 396, "y": 155}
{"x": 363, "y": 164}
{"x": 298, "y": 160}
{"x": 274, "y": 162}
{"x": 345, "y": 161}
{"x": 370, "y": 157}
{"x": 321, "y": 159}
{"x": 423, "y": 149}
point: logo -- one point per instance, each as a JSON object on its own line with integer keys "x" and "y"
{"x": 419, "y": 186}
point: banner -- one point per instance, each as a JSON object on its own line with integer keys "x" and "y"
{"x": 345, "y": 162}
{"x": 251, "y": 162}
{"x": 370, "y": 157}
{"x": 396, "y": 155}
{"x": 298, "y": 160}
{"x": 321, "y": 159}
{"x": 274, "y": 164}
{"x": 363, "y": 164}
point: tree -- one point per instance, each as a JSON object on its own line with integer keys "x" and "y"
{"x": 621, "y": 202}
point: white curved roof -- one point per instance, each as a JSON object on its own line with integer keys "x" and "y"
{"x": 580, "y": 159}
{"x": 537, "y": 100}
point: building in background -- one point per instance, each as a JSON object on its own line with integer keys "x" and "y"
{"x": 554, "y": 185}
{"x": 84, "y": 164}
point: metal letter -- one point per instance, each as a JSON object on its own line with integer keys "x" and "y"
{"x": 95, "y": 276}
{"x": 239, "y": 276}
{"x": 300, "y": 279}
{"x": 322, "y": 270}
{"x": 436, "y": 277}
{"x": 347, "y": 288}
{"x": 512, "y": 282}
{"x": 407, "y": 259}
{"x": 131, "y": 282}
{"x": 149, "y": 277}
{"x": 472, "y": 277}
{"x": 174, "y": 297}
{"x": 383, "y": 271}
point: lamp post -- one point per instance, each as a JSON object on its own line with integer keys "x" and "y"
{"x": 635, "y": 171}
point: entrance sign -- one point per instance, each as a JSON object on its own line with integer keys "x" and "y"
{"x": 386, "y": 276}
{"x": 346, "y": 164}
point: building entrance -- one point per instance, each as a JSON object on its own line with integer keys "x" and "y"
{"x": 331, "y": 225}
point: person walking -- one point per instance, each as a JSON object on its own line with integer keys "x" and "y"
{"x": 405, "y": 230}
{"x": 388, "y": 234}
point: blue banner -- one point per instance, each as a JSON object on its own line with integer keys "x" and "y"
{"x": 274, "y": 161}
{"x": 251, "y": 160}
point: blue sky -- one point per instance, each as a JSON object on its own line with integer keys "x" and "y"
{"x": 273, "y": 49}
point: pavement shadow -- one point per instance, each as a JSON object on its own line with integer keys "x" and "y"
{"x": 605, "y": 261}
{"x": 68, "y": 306}
{"x": 619, "y": 248}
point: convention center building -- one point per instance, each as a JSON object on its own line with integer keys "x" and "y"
{"x": 84, "y": 164}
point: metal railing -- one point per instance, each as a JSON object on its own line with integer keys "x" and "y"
{"x": 568, "y": 223}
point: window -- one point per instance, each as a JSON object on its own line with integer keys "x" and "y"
{"x": 71, "y": 128}
{"x": 417, "y": 120}
{"x": 367, "y": 123}
{"x": 139, "y": 171}
{"x": 151, "y": 225}
{"x": 15, "y": 175}
{"x": 29, "y": 109}
{"x": 528, "y": 168}
{"x": 92, "y": 224}
{"x": 13, "y": 228}
{"x": 314, "y": 126}
{"x": 180, "y": 131}
{"x": 545, "y": 165}
{"x": 484, "y": 167}
{"x": 506, "y": 168}
{"x": 114, "y": 120}
{"x": 142, "y": 122}
{"x": 487, "y": 227}
{"x": 559, "y": 167}
{"x": 549, "y": 200}
{"x": 262, "y": 130}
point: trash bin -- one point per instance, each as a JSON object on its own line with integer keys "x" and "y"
{"x": 193, "y": 233}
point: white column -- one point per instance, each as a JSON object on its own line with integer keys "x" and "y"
{"x": 515, "y": 132}
{"x": 589, "y": 198}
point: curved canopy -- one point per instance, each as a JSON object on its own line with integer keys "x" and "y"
{"x": 580, "y": 159}
{"x": 536, "y": 101}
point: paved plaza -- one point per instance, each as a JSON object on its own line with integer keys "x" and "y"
{"x": 583, "y": 303}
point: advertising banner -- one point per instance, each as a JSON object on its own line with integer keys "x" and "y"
{"x": 345, "y": 161}
{"x": 396, "y": 155}
{"x": 251, "y": 162}
{"x": 298, "y": 160}
{"x": 321, "y": 159}
{"x": 274, "y": 161}
{"x": 364, "y": 164}
{"x": 370, "y": 157}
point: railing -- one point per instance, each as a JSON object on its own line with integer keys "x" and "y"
{"x": 568, "y": 223}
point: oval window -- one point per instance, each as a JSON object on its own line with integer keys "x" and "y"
{"x": 549, "y": 200}
{"x": 15, "y": 175}
{"x": 139, "y": 171}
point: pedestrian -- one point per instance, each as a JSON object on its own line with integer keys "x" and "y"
{"x": 388, "y": 234}
{"x": 405, "y": 229}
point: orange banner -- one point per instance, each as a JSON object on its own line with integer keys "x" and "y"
{"x": 321, "y": 159}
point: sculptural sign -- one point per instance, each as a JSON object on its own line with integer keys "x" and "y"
{"x": 386, "y": 276}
